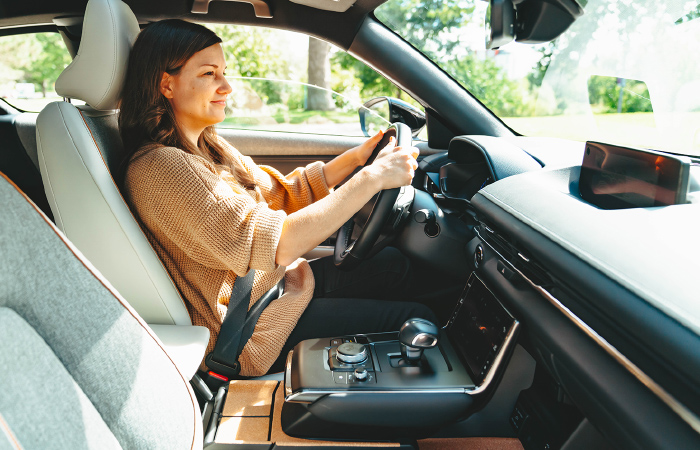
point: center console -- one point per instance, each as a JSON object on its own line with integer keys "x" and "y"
{"x": 406, "y": 383}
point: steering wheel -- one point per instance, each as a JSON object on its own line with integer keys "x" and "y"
{"x": 383, "y": 213}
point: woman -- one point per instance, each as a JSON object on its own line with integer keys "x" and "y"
{"x": 212, "y": 214}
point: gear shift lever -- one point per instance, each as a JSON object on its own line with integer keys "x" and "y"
{"x": 415, "y": 336}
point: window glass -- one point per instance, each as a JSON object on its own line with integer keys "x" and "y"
{"x": 29, "y": 67}
{"x": 597, "y": 81}
{"x": 286, "y": 81}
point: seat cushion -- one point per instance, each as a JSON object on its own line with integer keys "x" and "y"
{"x": 38, "y": 390}
{"x": 103, "y": 344}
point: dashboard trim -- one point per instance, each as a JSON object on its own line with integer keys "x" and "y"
{"x": 684, "y": 413}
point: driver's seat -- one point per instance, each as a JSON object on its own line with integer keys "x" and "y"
{"x": 78, "y": 148}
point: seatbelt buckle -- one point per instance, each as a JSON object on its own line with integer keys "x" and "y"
{"x": 222, "y": 369}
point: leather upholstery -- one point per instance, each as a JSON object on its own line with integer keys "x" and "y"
{"x": 97, "y": 73}
{"x": 74, "y": 148}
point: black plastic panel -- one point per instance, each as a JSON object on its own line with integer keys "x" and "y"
{"x": 618, "y": 404}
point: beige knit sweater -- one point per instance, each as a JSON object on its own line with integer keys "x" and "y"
{"x": 208, "y": 231}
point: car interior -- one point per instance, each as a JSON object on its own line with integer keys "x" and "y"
{"x": 567, "y": 322}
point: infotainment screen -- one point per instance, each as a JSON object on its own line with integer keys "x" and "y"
{"x": 478, "y": 328}
{"x": 615, "y": 177}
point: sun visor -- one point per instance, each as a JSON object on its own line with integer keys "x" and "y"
{"x": 327, "y": 5}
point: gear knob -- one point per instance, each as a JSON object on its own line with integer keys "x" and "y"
{"x": 415, "y": 336}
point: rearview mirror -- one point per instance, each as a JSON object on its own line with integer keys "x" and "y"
{"x": 500, "y": 17}
{"x": 379, "y": 112}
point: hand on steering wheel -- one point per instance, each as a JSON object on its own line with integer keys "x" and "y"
{"x": 386, "y": 210}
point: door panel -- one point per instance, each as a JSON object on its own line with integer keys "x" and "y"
{"x": 287, "y": 151}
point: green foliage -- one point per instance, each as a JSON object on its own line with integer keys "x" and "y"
{"x": 431, "y": 25}
{"x": 692, "y": 15}
{"x": 540, "y": 68}
{"x": 426, "y": 23}
{"x": 372, "y": 84}
{"x": 604, "y": 95}
{"x": 417, "y": 21}
{"x": 43, "y": 58}
{"x": 249, "y": 53}
{"x": 489, "y": 83}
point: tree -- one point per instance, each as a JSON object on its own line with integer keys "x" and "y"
{"x": 433, "y": 27}
{"x": 372, "y": 83}
{"x": 605, "y": 94}
{"x": 489, "y": 83}
{"x": 43, "y": 58}
{"x": 427, "y": 24}
{"x": 424, "y": 23}
{"x": 249, "y": 54}
{"x": 319, "y": 72}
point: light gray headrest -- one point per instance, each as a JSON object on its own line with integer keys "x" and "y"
{"x": 97, "y": 73}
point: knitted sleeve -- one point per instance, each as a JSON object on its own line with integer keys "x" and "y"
{"x": 218, "y": 224}
{"x": 290, "y": 193}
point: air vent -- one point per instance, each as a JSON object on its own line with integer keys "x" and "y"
{"x": 511, "y": 250}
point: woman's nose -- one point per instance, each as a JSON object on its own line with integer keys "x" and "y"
{"x": 225, "y": 87}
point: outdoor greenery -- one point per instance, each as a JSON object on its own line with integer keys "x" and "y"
{"x": 38, "y": 59}
{"x": 255, "y": 53}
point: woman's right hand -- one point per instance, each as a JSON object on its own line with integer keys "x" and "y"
{"x": 394, "y": 166}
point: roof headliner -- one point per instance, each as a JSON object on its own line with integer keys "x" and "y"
{"x": 339, "y": 28}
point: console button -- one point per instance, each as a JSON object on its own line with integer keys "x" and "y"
{"x": 340, "y": 377}
{"x": 361, "y": 374}
{"x": 336, "y": 342}
{"x": 348, "y": 340}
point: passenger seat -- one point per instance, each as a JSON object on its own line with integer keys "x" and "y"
{"x": 78, "y": 367}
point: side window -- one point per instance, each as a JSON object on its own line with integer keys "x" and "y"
{"x": 286, "y": 81}
{"x": 29, "y": 67}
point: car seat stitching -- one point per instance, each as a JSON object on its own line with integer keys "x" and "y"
{"x": 111, "y": 290}
{"x": 8, "y": 432}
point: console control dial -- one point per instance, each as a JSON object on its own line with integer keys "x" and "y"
{"x": 352, "y": 353}
{"x": 361, "y": 374}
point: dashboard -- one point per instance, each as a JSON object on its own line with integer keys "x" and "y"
{"x": 606, "y": 298}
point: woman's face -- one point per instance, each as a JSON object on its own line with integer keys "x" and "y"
{"x": 198, "y": 91}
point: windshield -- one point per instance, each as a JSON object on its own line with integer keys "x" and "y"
{"x": 626, "y": 72}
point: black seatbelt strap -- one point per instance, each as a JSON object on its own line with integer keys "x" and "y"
{"x": 224, "y": 358}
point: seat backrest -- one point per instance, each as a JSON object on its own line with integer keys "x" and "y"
{"x": 78, "y": 367}
{"x": 77, "y": 149}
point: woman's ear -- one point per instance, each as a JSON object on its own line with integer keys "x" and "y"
{"x": 166, "y": 85}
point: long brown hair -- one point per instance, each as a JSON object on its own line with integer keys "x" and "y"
{"x": 147, "y": 117}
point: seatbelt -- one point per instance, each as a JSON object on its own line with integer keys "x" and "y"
{"x": 224, "y": 358}
{"x": 238, "y": 325}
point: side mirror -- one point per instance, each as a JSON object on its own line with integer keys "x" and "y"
{"x": 382, "y": 111}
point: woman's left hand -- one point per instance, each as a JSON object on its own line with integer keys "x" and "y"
{"x": 363, "y": 151}
{"x": 343, "y": 165}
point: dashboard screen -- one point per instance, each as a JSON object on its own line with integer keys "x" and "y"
{"x": 615, "y": 177}
{"x": 478, "y": 328}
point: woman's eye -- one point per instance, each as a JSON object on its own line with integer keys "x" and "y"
{"x": 211, "y": 72}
